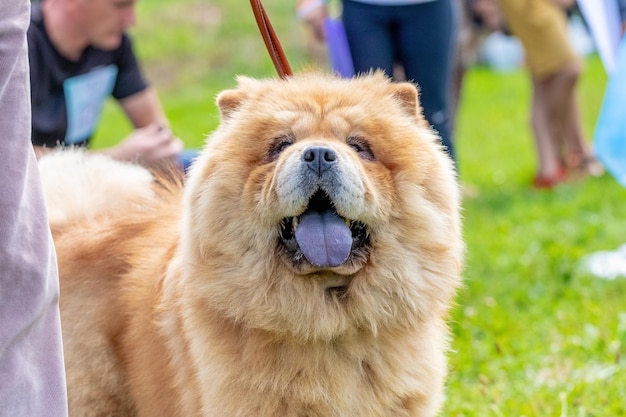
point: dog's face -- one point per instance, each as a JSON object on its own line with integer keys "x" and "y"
{"x": 321, "y": 207}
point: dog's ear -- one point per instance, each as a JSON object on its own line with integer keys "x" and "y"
{"x": 229, "y": 100}
{"x": 407, "y": 95}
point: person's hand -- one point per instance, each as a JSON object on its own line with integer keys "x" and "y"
{"x": 313, "y": 13}
{"x": 152, "y": 145}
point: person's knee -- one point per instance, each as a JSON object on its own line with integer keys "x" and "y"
{"x": 562, "y": 80}
{"x": 571, "y": 72}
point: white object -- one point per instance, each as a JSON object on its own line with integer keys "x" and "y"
{"x": 502, "y": 52}
{"x": 607, "y": 264}
{"x": 602, "y": 17}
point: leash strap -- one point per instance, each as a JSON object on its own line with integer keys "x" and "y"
{"x": 271, "y": 40}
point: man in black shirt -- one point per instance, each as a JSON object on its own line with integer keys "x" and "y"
{"x": 80, "y": 55}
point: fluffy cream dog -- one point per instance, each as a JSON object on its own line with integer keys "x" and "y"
{"x": 306, "y": 269}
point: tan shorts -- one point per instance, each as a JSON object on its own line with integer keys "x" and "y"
{"x": 541, "y": 27}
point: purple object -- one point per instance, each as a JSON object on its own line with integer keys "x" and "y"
{"x": 338, "y": 48}
{"x": 32, "y": 376}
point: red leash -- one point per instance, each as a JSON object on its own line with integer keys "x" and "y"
{"x": 271, "y": 40}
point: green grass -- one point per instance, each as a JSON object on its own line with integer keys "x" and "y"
{"x": 534, "y": 335}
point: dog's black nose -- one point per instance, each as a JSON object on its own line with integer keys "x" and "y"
{"x": 319, "y": 158}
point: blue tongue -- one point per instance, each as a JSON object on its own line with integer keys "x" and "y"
{"x": 324, "y": 238}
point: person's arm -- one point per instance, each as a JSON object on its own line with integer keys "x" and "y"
{"x": 313, "y": 13}
{"x": 144, "y": 108}
{"x": 152, "y": 141}
{"x": 32, "y": 376}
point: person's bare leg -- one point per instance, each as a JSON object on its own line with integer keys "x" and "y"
{"x": 557, "y": 90}
{"x": 561, "y": 96}
{"x": 548, "y": 166}
{"x": 564, "y": 120}
{"x": 578, "y": 155}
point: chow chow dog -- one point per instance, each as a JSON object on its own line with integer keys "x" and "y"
{"x": 305, "y": 267}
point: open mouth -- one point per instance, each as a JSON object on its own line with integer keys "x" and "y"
{"x": 321, "y": 236}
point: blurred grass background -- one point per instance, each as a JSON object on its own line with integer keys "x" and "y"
{"x": 534, "y": 334}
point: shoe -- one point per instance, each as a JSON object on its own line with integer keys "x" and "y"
{"x": 541, "y": 182}
{"x": 582, "y": 165}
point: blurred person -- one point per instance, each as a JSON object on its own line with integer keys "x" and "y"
{"x": 554, "y": 67}
{"x": 478, "y": 18}
{"x": 80, "y": 55}
{"x": 412, "y": 39}
{"x": 32, "y": 375}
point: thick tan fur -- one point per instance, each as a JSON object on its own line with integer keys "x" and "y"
{"x": 180, "y": 302}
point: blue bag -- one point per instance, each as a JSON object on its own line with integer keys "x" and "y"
{"x": 609, "y": 143}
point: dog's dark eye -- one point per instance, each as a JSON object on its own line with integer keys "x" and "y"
{"x": 278, "y": 146}
{"x": 361, "y": 147}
